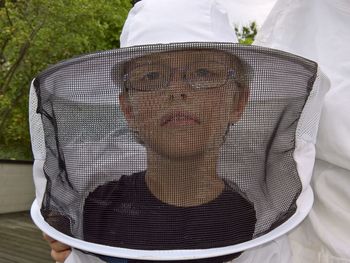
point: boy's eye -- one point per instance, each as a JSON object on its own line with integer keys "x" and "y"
{"x": 151, "y": 76}
{"x": 203, "y": 72}
{"x": 147, "y": 73}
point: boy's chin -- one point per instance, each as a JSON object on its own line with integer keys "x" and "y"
{"x": 183, "y": 153}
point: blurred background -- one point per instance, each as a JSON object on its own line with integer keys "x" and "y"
{"x": 37, "y": 33}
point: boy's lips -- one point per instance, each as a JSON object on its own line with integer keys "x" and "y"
{"x": 179, "y": 118}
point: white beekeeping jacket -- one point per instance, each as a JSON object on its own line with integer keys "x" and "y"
{"x": 100, "y": 121}
{"x": 319, "y": 30}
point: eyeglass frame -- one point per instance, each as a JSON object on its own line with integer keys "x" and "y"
{"x": 231, "y": 75}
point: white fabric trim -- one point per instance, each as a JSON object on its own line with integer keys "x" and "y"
{"x": 38, "y": 145}
{"x": 306, "y": 133}
{"x": 267, "y": 253}
{"x": 304, "y": 156}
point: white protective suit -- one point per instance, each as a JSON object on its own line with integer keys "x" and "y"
{"x": 320, "y": 30}
{"x": 278, "y": 251}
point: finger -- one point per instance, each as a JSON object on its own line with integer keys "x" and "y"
{"x": 48, "y": 238}
{"x": 58, "y": 246}
{"x": 60, "y": 256}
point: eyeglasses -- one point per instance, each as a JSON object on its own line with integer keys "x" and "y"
{"x": 199, "y": 75}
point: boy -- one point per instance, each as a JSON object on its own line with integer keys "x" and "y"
{"x": 180, "y": 104}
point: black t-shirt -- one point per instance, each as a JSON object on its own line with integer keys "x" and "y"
{"x": 125, "y": 213}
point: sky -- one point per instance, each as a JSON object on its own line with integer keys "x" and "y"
{"x": 242, "y": 12}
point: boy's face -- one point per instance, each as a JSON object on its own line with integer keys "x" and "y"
{"x": 181, "y": 102}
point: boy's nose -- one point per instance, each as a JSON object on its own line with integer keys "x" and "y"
{"x": 178, "y": 87}
{"x": 179, "y": 91}
{"x": 177, "y": 96}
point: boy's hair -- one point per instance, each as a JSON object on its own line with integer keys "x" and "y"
{"x": 133, "y": 2}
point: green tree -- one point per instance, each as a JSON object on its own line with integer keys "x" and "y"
{"x": 246, "y": 34}
{"x": 37, "y": 33}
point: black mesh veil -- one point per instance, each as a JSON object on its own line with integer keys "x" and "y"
{"x": 173, "y": 147}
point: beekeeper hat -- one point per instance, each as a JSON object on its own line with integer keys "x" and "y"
{"x": 81, "y": 141}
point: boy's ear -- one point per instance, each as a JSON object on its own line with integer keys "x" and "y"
{"x": 241, "y": 101}
{"x": 126, "y": 108}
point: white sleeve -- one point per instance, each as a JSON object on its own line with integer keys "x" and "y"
{"x": 311, "y": 29}
{"x": 324, "y": 237}
{"x": 77, "y": 256}
{"x": 276, "y": 251}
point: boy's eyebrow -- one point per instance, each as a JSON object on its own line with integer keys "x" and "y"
{"x": 189, "y": 58}
{"x": 188, "y": 55}
{"x": 142, "y": 61}
{"x": 210, "y": 60}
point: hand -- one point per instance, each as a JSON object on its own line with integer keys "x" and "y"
{"x": 59, "y": 251}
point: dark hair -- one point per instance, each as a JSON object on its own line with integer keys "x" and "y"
{"x": 133, "y": 2}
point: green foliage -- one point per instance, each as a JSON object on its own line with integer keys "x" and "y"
{"x": 246, "y": 34}
{"x": 37, "y": 33}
